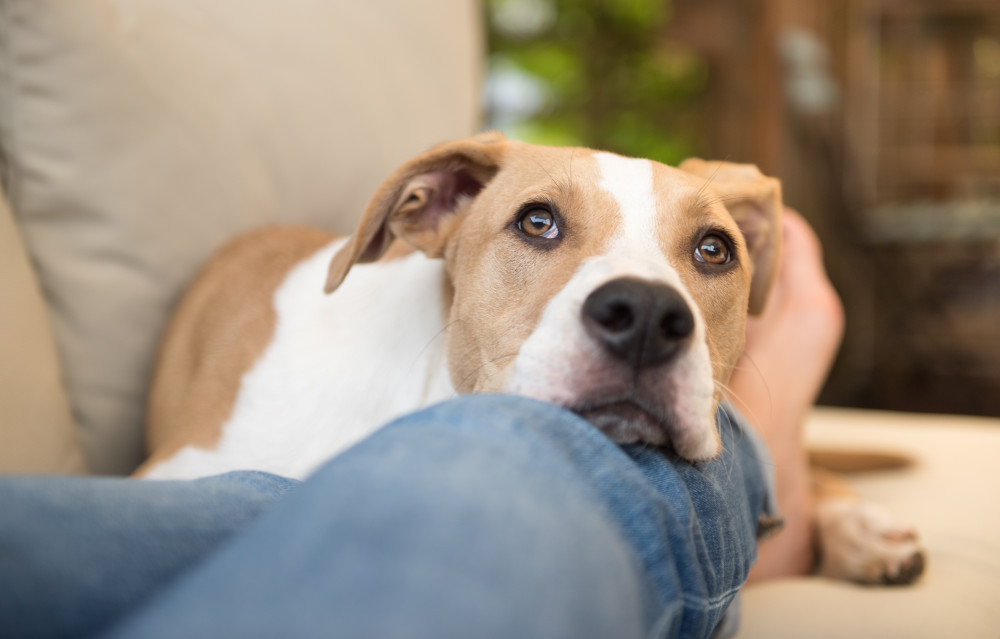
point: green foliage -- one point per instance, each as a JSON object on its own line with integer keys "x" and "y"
{"x": 614, "y": 80}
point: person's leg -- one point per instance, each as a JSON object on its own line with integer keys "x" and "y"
{"x": 78, "y": 553}
{"x": 484, "y": 516}
{"x": 789, "y": 351}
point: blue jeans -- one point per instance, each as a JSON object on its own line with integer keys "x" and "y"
{"x": 485, "y": 516}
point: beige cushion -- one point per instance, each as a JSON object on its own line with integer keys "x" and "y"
{"x": 953, "y": 498}
{"x": 141, "y": 135}
{"x": 37, "y": 433}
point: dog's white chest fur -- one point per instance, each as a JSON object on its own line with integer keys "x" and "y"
{"x": 337, "y": 367}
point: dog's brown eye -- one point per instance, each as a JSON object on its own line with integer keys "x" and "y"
{"x": 712, "y": 249}
{"x": 538, "y": 222}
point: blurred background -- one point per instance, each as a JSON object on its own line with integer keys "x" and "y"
{"x": 881, "y": 117}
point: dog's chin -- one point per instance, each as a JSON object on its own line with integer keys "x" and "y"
{"x": 625, "y": 421}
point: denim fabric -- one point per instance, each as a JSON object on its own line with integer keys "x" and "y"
{"x": 486, "y": 516}
{"x": 77, "y": 552}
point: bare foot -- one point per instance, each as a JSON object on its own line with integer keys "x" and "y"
{"x": 789, "y": 351}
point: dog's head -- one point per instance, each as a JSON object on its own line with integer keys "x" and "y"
{"x": 616, "y": 287}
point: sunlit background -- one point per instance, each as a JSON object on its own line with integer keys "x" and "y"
{"x": 881, "y": 117}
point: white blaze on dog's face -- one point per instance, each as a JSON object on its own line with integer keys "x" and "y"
{"x": 518, "y": 320}
{"x": 615, "y": 287}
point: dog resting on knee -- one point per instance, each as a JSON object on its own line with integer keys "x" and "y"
{"x": 615, "y": 287}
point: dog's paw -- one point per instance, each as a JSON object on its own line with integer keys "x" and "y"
{"x": 861, "y": 541}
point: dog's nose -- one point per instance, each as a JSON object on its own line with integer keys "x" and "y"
{"x": 643, "y": 323}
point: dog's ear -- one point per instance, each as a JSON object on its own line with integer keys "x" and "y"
{"x": 421, "y": 201}
{"x": 754, "y": 201}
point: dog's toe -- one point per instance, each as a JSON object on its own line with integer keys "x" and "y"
{"x": 908, "y": 571}
{"x": 861, "y": 541}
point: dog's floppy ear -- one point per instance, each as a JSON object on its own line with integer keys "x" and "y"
{"x": 754, "y": 201}
{"x": 420, "y": 201}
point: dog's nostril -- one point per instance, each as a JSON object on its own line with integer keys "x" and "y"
{"x": 617, "y": 317}
{"x": 677, "y": 324}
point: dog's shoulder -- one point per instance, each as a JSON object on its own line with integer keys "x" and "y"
{"x": 220, "y": 328}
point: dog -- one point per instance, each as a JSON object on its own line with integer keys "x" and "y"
{"x": 616, "y": 287}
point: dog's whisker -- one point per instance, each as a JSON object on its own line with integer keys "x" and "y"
{"x": 434, "y": 338}
{"x": 734, "y": 427}
{"x": 498, "y": 337}
{"x": 572, "y": 158}
{"x": 475, "y": 372}
{"x": 728, "y": 452}
{"x": 700, "y": 200}
{"x": 544, "y": 170}
{"x": 741, "y": 404}
{"x": 763, "y": 381}
{"x": 428, "y": 345}
{"x": 699, "y": 196}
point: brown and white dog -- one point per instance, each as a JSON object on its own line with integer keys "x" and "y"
{"x": 616, "y": 287}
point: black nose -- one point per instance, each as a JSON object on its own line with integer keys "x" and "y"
{"x": 643, "y": 323}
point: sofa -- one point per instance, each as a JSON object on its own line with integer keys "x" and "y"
{"x": 136, "y": 137}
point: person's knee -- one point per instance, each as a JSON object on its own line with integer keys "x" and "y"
{"x": 491, "y": 494}
{"x": 462, "y": 520}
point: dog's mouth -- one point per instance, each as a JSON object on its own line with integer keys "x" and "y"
{"x": 626, "y": 420}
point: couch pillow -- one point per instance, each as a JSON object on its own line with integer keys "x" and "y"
{"x": 141, "y": 135}
{"x": 37, "y": 433}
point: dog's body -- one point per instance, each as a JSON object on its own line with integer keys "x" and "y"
{"x": 357, "y": 359}
{"x": 615, "y": 287}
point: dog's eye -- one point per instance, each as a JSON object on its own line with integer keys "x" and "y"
{"x": 538, "y": 222}
{"x": 713, "y": 249}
